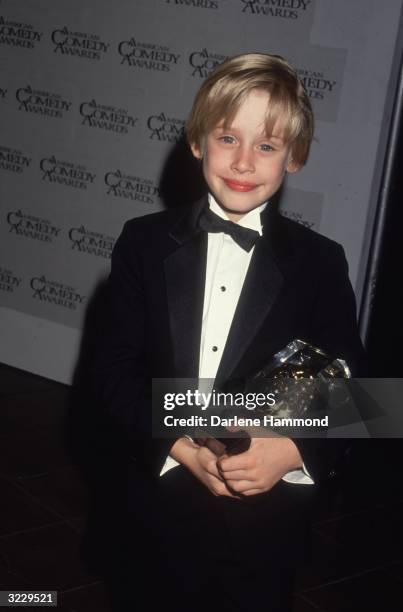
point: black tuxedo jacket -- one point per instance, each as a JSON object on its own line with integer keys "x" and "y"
{"x": 297, "y": 286}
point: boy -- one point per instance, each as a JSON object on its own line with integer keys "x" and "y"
{"x": 212, "y": 291}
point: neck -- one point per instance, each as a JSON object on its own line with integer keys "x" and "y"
{"x": 234, "y": 217}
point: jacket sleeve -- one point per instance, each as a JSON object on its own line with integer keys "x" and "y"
{"x": 121, "y": 380}
{"x": 333, "y": 328}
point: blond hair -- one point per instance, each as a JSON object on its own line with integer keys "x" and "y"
{"x": 224, "y": 90}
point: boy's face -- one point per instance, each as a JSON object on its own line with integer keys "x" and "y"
{"x": 243, "y": 166}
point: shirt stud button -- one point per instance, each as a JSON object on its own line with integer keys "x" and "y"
{"x": 215, "y": 348}
{"x": 223, "y": 288}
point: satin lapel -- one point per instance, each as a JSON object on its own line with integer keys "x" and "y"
{"x": 185, "y": 272}
{"x": 262, "y": 285}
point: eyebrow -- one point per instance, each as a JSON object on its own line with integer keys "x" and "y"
{"x": 220, "y": 126}
{"x": 272, "y": 136}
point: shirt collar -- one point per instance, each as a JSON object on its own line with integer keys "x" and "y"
{"x": 251, "y": 220}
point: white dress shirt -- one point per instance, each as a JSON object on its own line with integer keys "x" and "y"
{"x": 227, "y": 265}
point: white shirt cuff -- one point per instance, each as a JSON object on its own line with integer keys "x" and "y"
{"x": 300, "y": 476}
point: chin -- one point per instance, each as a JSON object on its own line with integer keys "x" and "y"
{"x": 236, "y": 213}
{"x": 241, "y": 209}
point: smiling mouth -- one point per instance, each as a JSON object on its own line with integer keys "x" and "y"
{"x": 239, "y": 185}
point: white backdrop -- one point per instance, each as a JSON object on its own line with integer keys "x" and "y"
{"x": 93, "y": 98}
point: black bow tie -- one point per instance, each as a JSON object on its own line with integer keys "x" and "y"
{"x": 210, "y": 222}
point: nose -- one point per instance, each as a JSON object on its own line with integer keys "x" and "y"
{"x": 243, "y": 160}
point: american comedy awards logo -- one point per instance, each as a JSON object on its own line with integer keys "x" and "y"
{"x": 16, "y": 34}
{"x": 9, "y": 282}
{"x": 14, "y": 160}
{"x": 107, "y": 117}
{"x": 66, "y": 173}
{"x": 28, "y": 226}
{"x": 206, "y": 4}
{"x": 86, "y": 241}
{"x": 165, "y": 129}
{"x": 131, "y": 187}
{"x": 203, "y": 62}
{"x": 78, "y": 44}
{"x": 55, "y": 293}
{"x": 42, "y": 102}
{"x": 286, "y": 9}
{"x": 317, "y": 84}
{"x": 147, "y": 55}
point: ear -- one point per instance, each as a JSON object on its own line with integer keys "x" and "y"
{"x": 293, "y": 166}
{"x": 198, "y": 154}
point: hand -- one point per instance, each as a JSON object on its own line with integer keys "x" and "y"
{"x": 202, "y": 463}
{"x": 258, "y": 469}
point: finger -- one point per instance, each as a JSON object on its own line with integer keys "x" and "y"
{"x": 253, "y": 492}
{"x": 235, "y": 475}
{"x": 221, "y": 489}
{"x": 240, "y": 486}
{"x": 215, "y": 476}
{"x": 208, "y": 461}
{"x": 236, "y": 462}
{"x": 212, "y": 469}
{"x": 215, "y": 479}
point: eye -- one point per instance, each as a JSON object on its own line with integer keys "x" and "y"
{"x": 227, "y": 139}
{"x": 266, "y": 147}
